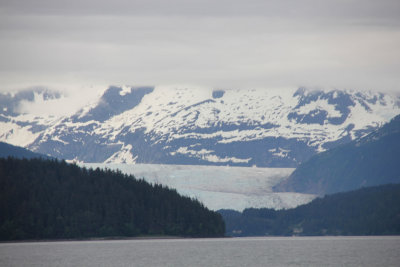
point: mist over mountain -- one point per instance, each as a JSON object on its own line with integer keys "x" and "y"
{"x": 179, "y": 125}
{"x": 11, "y": 103}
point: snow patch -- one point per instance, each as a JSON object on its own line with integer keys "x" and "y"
{"x": 57, "y": 139}
{"x": 125, "y": 90}
{"x": 185, "y": 150}
{"x": 123, "y": 156}
{"x": 208, "y": 155}
{"x": 279, "y": 152}
{"x": 214, "y": 158}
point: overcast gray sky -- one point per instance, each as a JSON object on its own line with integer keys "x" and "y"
{"x": 241, "y": 44}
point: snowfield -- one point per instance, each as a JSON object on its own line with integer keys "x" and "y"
{"x": 218, "y": 187}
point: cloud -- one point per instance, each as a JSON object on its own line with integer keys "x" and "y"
{"x": 343, "y": 44}
{"x": 69, "y": 101}
{"x": 297, "y": 9}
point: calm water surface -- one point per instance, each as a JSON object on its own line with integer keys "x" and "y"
{"x": 269, "y": 251}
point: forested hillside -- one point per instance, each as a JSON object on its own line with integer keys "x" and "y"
{"x": 367, "y": 211}
{"x": 368, "y": 161}
{"x": 45, "y": 199}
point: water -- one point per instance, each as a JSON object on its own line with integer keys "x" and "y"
{"x": 268, "y": 251}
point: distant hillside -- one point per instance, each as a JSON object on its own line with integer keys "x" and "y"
{"x": 7, "y": 150}
{"x": 367, "y": 211}
{"x": 45, "y": 199}
{"x": 371, "y": 160}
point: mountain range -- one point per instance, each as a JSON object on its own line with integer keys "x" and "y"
{"x": 180, "y": 125}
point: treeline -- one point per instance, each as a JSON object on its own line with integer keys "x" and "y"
{"x": 367, "y": 211}
{"x": 46, "y": 199}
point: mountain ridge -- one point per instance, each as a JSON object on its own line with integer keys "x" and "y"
{"x": 367, "y": 161}
{"x": 7, "y": 150}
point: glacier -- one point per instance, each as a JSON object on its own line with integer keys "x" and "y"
{"x": 218, "y": 187}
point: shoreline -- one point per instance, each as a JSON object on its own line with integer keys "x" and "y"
{"x": 94, "y": 239}
{"x": 144, "y": 238}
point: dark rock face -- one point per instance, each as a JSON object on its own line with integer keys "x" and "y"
{"x": 114, "y": 102}
{"x": 218, "y": 93}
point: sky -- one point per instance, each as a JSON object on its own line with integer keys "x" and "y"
{"x": 76, "y": 45}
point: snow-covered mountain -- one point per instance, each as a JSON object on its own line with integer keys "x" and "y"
{"x": 19, "y": 127}
{"x": 274, "y": 128}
